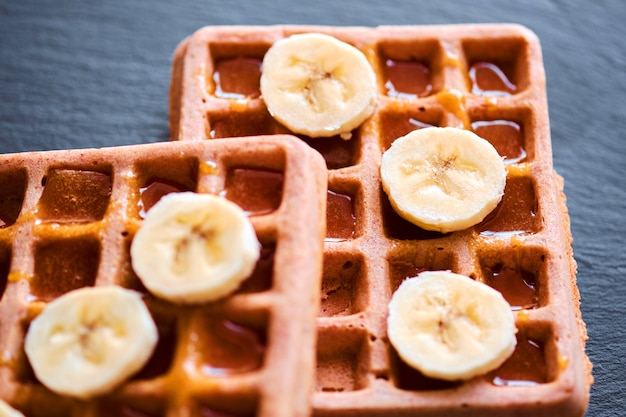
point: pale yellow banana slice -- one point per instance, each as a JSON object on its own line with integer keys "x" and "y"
{"x": 7, "y": 411}
{"x": 442, "y": 178}
{"x": 87, "y": 341}
{"x": 449, "y": 326}
{"x": 317, "y": 85}
{"x": 194, "y": 248}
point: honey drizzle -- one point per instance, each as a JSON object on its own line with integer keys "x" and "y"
{"x": 453, "y": 101}
{"x": 15, "y": 276}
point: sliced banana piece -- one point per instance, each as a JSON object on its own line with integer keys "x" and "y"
{"x": 442, "y": 178}
{"x": 194, "y": 248}
{"x": 317, "y": 85}
{"x": 88, "y": 341}
{"x": 449, "y": 326}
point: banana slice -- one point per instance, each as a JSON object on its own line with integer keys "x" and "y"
{"x": 318, "y": 86}
{"x": 194, "y": 248}
{"x": 87, "y": 341}
{"x": 443, "y": 179}
{"x": 449, "y": 326}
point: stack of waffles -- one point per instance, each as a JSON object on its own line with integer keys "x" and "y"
{"x": 307, "y": 333}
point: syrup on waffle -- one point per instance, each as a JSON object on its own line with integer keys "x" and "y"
{"x": 485, "y": 78}
{"x": 68, "y": 218}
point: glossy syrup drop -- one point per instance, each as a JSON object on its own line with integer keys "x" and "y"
{"x": 237, "y": 78}
{"x": 401, "y": 270}
{"x": 241, "y": 124}
{"x": 74, "y": 196}
{"x": 340, "y": 217}
{"x": 517, "y": 213}
{"x": 154, "y": 191}
{"x": 337, "y": 152}
{"x": 488, "y": 79}
{"x": 525, "y": 367}
{"x": 64, "y": 265}
{"x": 506, "y": 136}
{"x": 396, "y": 125}
{"x": 227, "y": 348}
{"x": 453, "y": 102}
{"x": 520, "y": 288}
{"x": 256, "y": 191}
{"x": 407, "y": 79}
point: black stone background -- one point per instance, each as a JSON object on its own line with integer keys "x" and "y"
{"x": 76, "y": 74}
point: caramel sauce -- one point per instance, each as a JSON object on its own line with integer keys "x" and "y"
{"x": 237, "y": 78}
{"x": 154, "y": 191}
{"x": 525, "y": 367}
{"x": 488, "y": 79}
{"x": 517, "y": 213}
{"x": 450, "y": 59}
{"x": 12, "y": 189}
{"x": 64, "y": 265}
{"x": 398, "y": 125}
{"x": 453, "y": 102}
{"x": 74, "y": 196}
{"x": 506, "y": 136}
{"x": 208, "y": 168}
{"x": 522, "y": 317}
{"x": 337, "y": 152}
{"x": 407, "y": 79}
{"x": 15, "y": 276}
{"x": 261, "y": 278}
{"x": 410, "y": 379}
{"x": 562, "y": 362}
{"x": 520, "y": 288}
{"x": 227, "y": 348}
{"x": 241, "y": 124}
{"x": 256, "y": 191}
{"x": 397, "y": 228}
{"x": 401, "y": 270}
{"x": 340, "y": 217}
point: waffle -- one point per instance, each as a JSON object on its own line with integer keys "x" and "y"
{"x": 485, "y": 78}
{"x": 68, "y": 218}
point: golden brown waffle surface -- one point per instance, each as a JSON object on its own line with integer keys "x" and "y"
{"x": 68, "y": 218}
{"x": 486, "y": 78}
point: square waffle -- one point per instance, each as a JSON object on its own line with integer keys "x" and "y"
{"x": 485, "y": 78}
{"x": 68, "y": 218}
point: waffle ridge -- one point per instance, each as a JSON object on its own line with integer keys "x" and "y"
{"x": 48, "y": 246}
{"x": 528, "y": 236}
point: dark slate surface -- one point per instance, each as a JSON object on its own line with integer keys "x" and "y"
{"x": 93, "y": 73}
